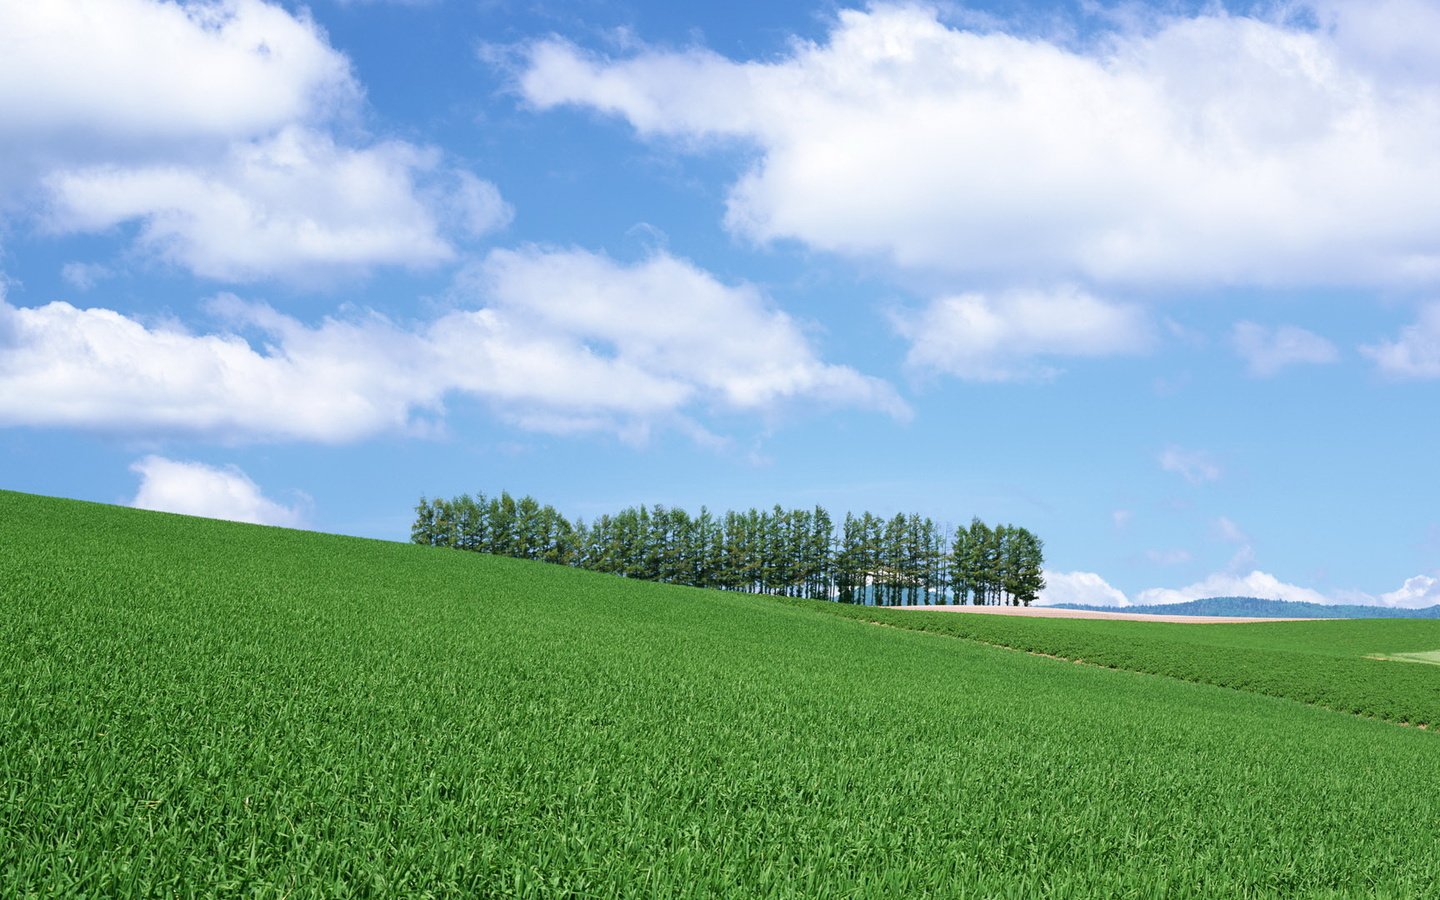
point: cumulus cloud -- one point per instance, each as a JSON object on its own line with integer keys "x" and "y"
{"x": 97, "y": 368}
{"x": 195, "y": 489}
{"x": 294, "y": 205}
{"x": 565, "y": 341}
{"x": 667, "y": 316}
{"x": 138, "y": 72}
{"x": 1415, "y": 354}
{"x": 1090, "y": 589}
{"x": 1394, "y": 38}
{"x": 1223, "y": 584}
{"x": 1416, "y": 593}
{"x": 1085, "y": 588}
{"x": 1213, "y": 149}
{"x": 1012, "y": 335}
{"x": 211, "y": 126}
{"x": 1268, "y": 350}
{"x": 1195, "y": 466}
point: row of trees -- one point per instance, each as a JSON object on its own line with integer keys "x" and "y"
{"x": 903, "y": 560}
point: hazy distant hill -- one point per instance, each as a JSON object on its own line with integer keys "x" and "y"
{"x": 1256, "y": 608}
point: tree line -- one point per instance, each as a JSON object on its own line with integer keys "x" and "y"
{"x": 904, "y": 560}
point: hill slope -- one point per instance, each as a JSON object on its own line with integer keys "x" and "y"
{"x": 189, "y": 705}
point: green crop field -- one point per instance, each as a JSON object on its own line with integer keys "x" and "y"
{"x": 196, "y": 707}
{"x": 1345, "y": 665}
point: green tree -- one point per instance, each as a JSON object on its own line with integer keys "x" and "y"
{"x": 501, "y": 514}
{"x": 1027, "y": 566}
{"x": 445, "y": 532}
{"x": 423, "y": 531}
{"x": 903, "y": 560}
{"x": 979, "y": 562}
{"x": 819, "y": 553}
{"x": 469, "y": 520}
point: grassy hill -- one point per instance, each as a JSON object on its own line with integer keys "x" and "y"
{"x": 190, "y": 706}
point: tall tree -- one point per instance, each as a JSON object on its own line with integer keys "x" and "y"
{"x": 822, "y": 540}
{"x": 962, "y": 566}
{"x": 469, "y": 523}
{"x": 707, "y": 548}
{"x": 501, "y": 516}
{"x": 423, "y": 531}
{"x": 978, "y": 561}
{"x": 445, "y": 534}
{"x": 1026, "y": 566}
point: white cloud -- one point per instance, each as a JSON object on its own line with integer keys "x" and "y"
{"x": 1416, "y": 593}
{"x": 1227, "y": 531}
{"x": 476, "y": 205}
{"x": 211, "y": 126}
{"x": 1195, "y": 466}
{"x": 1223, "y": 584}
{"x": 295, "y": 205}
{"x": 84, "y": 276}
{"x": 120, "y": 72}
{"x": 566, "y": 341}
{"x": 1216, "y": 149}
{"x": 195, "y": 489}
{"x": 1268, "y": 350}
{"x": 1090, "y": 589}
{"x": 1416, "y": 353}
{"x": 1243, "y": 559}
{"x": 1009, "y": 336}
{"x": 1085, "y": 588}
{"x": 96, "y": 368}
{"x": 667, "y": 316}
{"x": 1396, "y": 38}
{"x": 1122, "y": 517}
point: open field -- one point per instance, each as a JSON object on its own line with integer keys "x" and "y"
{"x": 1050, "y": 612}
{"x": 1335, "y": 663}
{"x": 189, "y": 706}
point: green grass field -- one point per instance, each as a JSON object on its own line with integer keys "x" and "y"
{"x": 1344, "y": 665}
{"x": 196, "y": 707}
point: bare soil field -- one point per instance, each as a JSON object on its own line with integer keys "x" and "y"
{"x": 1050, "y": 612}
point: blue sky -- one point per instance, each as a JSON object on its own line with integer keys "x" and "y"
{"x": 1160, "y": 282}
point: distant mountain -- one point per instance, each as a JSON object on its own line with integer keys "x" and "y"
{"x": 1255, "y": 608}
